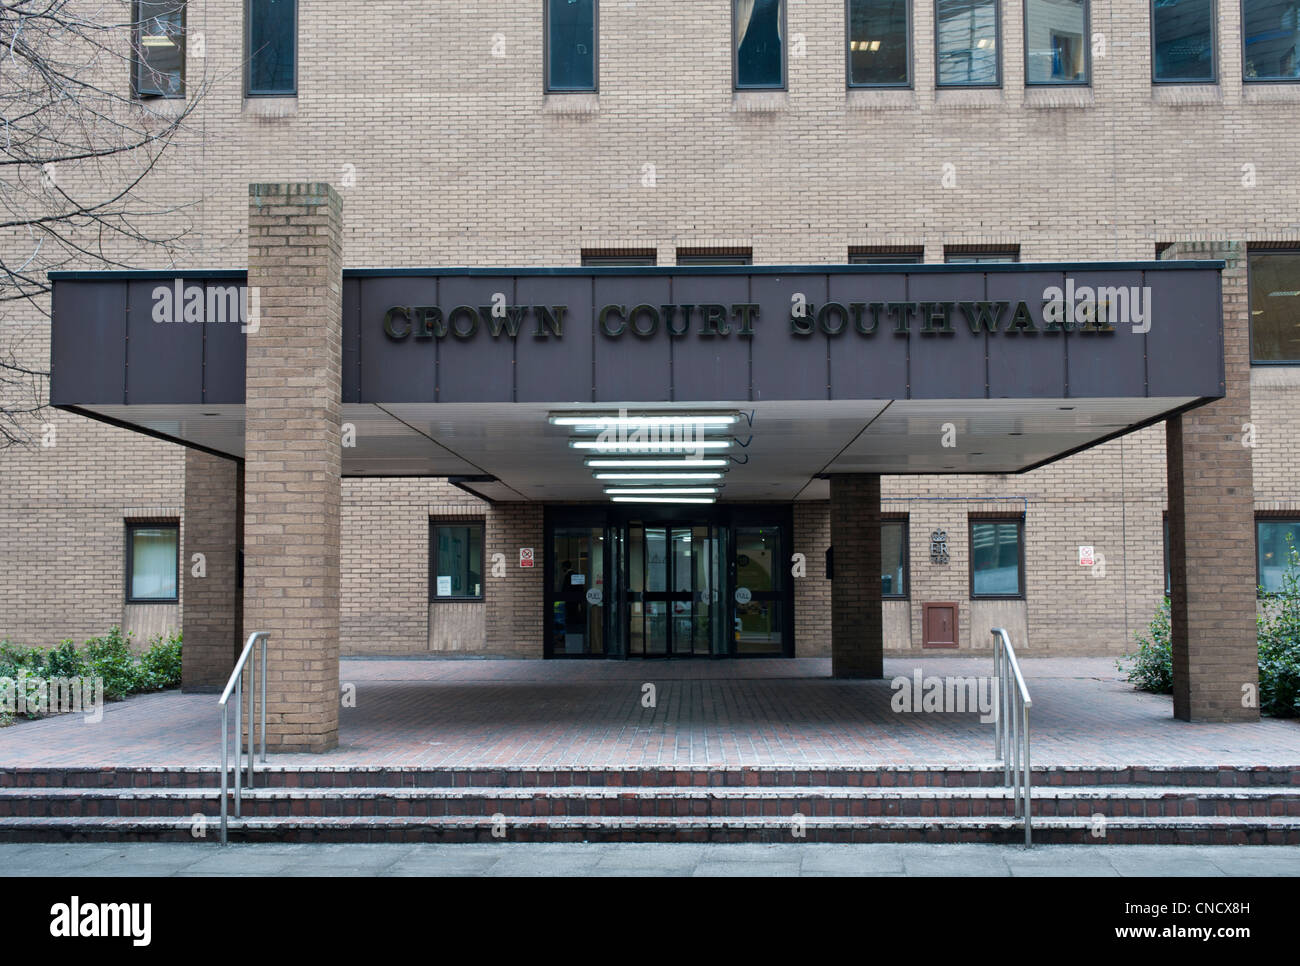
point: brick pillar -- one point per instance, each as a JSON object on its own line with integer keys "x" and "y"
{"x": 293, "y": 457}
{"x": 857, "y": 623}
{"x": 516, "y": 622}
{"x": 212, "y": 620}
{"x": 1212, "y": 524}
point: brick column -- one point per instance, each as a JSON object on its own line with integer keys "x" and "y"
{"x": 857, "y": 625}
{"x": 293, "y": 457}
{"x": 212, "y": 620}
{"x": 1212, "y": 524}
{"x": 515, "y": 604}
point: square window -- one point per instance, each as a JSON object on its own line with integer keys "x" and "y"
{"x": 758, "y": 35}
{"x": 966, "y": 43}
{"x": 455, "y": 561}
{"x": 1182, "y": 41}
{"x": 1270, "y": 37}
{"x": 1274, "y": 279}
{"x": 272, "y": 54}
{"x": 152, "y": 562}
{"x": 997, "y": 558}
{"x": 1275, "y": 541}
{"x": 158, "y": 60}
{"x": 571, "y": 45}
{"x": 879, "y": 38}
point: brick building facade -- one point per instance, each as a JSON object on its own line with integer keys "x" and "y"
{"x": 459, "y": 156}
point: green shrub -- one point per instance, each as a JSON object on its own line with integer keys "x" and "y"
{"x": 160, "y": 665}
{"x": 1153, "y": 664}
{"x": 1279, "y": 645}
{"x": 109, "y": 657}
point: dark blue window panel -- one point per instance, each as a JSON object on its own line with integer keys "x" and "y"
{"x": 272, "y": 46}
{"x": 1183, "y": 40}
{"x": 760, "y": 43}
{"x": 1270, "y": 32}
{"x": 571, "y": 45}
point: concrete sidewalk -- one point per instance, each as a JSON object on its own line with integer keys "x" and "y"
{"x": 507, "y": 859}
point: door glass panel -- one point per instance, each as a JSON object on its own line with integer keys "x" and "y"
{"x": 656, "y": 627}
{"x": 759, "y": 622}
{"x": 577, "y": 591}
{"x": 636, "y": 590}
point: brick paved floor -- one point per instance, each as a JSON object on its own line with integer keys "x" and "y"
{"x": 503, "y": 713}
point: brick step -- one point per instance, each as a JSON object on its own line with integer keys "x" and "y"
{"x": 885, "y": 776}
{"x": 1210, "y": 830}
{"x": 659, "y": 801}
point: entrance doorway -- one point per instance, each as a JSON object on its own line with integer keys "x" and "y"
{"x": 653, "y": 583}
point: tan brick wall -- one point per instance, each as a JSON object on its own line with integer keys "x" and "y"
{"x": 459, "y": 158}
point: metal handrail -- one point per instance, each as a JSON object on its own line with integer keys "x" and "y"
{"x": 1011, "y": 727}
{"x": 236, "y": 684}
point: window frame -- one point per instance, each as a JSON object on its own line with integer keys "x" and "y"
{"x": 703, "y": 258}
{"x": 971, "y": 523}
{"x": 997, "y": 35}
{"x": 1214, "y": 47}
{"x": 610, "y": 259}
{"x": 595, "y": 53}
{"x": 785, "y": 54}
{"x": 1241, "y": 9}
{"x": 908, "y": 84}
{"x": 434, "y": 524}
{"x": 248, "y": 56}
{"x": 1086, "y": 40}
{"x": 137, "y": 46}
{"x": 128, "y": 554}
{"x": 1250, "y": 291}
{"x": 905, "y": 522}
{"x": 1260, "y": 592}
{"x": 981, "y": 256}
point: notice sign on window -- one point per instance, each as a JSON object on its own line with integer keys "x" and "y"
{"x": 1086, "y": 558}
{"x": 444, "y": 586}
{"x": 578, "y": 579}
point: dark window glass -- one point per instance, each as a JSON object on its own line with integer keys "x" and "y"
{"x": 456, "y": 561}
{"x": 1182, "y": 40}
{"x": 893, "y": 558}
{"x": 879, "y": 51}
{"x": 966, "y": 36}
{"x": 1274, "y": 551}
{"x": 1169, "y": 573}
{"x": 571, "y": 45}
{"x": 995, "y": 558}
{"x": 1270, "y": 31}
{"x": 714, "y": 258}
{"x": 159, "y": 61}
{"x": 760, "y": 43}
{"x": 1055, "y": 36}
{"x": 597, "y": 261}
{"x": 272, "y": 46}
{"x": 151, "y": 561}
{"x": 886, "y": 258}
{"x": 1275, "y": 306}
{"x": 981, "y": 258}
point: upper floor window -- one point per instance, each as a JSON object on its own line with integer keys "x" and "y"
{"x": 966, "y": 43}
{"x": 758, "y": 43}
{"x": 570, "y": 45}
{"x": 997, "y": 558}
{"x": 886, "y": 256}
{"x": 1270, "y": 34}
{"x": 1274, "y": 278}
{"x": 710, "y": 256}
{"x": 1182, "y": 41}
{"x": 879, "y": 43}
{"x": 980, "y": 256}
{"x": 152, "y": 555}
{"x": 1056, "y": 42}
{"x": 158, "y": 61}
{"x": 272, "y": 47}
{"x": 618, "y": 258}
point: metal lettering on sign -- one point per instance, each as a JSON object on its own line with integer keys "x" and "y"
{"x": 939, "y": 547}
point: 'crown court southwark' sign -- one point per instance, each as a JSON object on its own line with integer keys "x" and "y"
{"x": 1125, "y": 329}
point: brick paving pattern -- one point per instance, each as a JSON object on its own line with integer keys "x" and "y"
{"x": 723, "y": 713}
